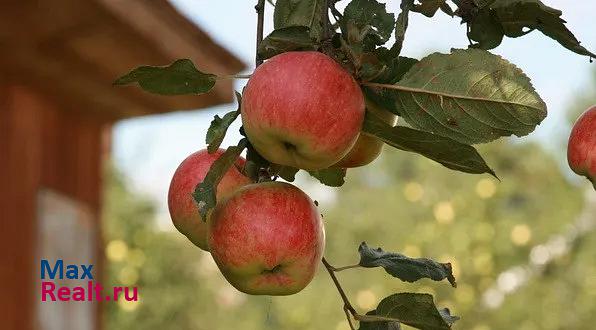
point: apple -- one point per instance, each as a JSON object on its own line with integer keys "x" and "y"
{"x": 183, "y": 208}
{"x": 267, "y": 239}
{"x": 367, "y": 147}
{"x": 302, "y": 109}
{"x": 581, "y": 150}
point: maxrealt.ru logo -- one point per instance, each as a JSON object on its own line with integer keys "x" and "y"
{"x": 91, "y": 291}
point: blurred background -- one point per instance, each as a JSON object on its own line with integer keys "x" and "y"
{"x": 85, "y": 169}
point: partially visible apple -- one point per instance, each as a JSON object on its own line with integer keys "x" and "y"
{"x": 183, "y": 208}
{"x": 302, "y": 109}
{"x": 367, "y": 147}
{"x": 267, "y": 239}
{"x": 581, "y": 150}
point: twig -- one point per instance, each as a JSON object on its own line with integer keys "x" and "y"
{"x": 347, "y": 304}
{"x": 339, "y": 269}
{"x": 260, "y": 8}
{"x": 349, "y": 317}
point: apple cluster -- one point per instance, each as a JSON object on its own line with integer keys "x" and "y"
{"x": 299, "y": 109}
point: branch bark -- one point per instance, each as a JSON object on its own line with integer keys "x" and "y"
{"x": 260, "y": 8}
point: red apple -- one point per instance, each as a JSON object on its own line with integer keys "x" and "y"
{"x": 183, "y": 208}
{"x": 581, "y": 150}
{"x": 267, "y": 239}
{"x": 367, "y": 147}
{"x": 302, "y": 109}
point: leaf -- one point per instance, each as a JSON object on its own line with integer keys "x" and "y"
{"x": 180, "y": 77}
{"x": 219, "y": 126}
{"x": 446, "y": 315}
{"x": 405, "y": 268}
{"x": 395, "y": 68}
{"x": 518, "y": 15}
{"x": 471, "y": 96}
{"x": 205, "y": 192}
{"x": 401, "y": 25}
{"x": 287, "y": 173}
{"x": 369, "y": 16}
{"x": 486, "y": 31}
{"x": 447, "y": 152}
{"x": 291, "y": 38}
{"x": 417, "y": 310}
{"x": 428, "y": 7}
{"x": 299, "y": 13}
{"x": 332, "y": 177}
{"x": 379, "y": 325}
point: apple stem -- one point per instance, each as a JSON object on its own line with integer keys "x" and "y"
{"x": 234, "y": 76}
{"x": 260, "y": 8}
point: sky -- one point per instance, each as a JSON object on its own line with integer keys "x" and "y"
{"x": 148, "y": 149}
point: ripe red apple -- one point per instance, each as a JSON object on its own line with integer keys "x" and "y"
{"x": 183, "y": 208}
{"x": 267, "y": 239}
{"x": 581, "y": 150}
{"x": 302, "y": 109}
{"x": 367, "y": 147}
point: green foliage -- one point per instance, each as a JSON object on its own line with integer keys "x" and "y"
{"x": 405, "y": 268}
{"x": 180, "y": 77}
{"x": 471, "y": 96}
{"x": 219, "y": 126}
{"x": 379, "y": 325}
{"x": 286, "y": 39}
{"x": 447, "y": 152}
{"x": 205, "y": 192}
{"x": 415, "y": 309}
{"x": 299, "y": 13}
{"x": 332, "y": 177}
{"x": 367, "y": 21}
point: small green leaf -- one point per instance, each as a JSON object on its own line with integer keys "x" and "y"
{"x": 379, "y": 325}
{"x": 428, "y": 7}
{"x": 180, "y": 77}
{"x": 332, "y": 177}
{"x": 417, "y": 310}
{"x": 471, "y": 96}
{"x": 401, "y": 25}
{"x": 299, "y": 13}
{"x": 205, "y": 192}
{"x": 449, "y": 153}
{"x": 291, "y": 38}
{"x": 219, "y": 126}
{"x": 486, "y": 31}
{"x": 287, "y": 173}
{"x": 446, "y": 315}
{"x": 369, "y": 17}
{"x": 405, "y": 268}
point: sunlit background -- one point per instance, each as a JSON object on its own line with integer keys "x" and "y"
{"x": 523, "y": 249}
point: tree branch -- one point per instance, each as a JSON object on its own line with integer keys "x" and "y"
{"x": 260, "y": 8}
{"x": 347, "y": 304}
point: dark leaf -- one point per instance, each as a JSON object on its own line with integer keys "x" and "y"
{"x": 368, "y": 17}
{"x": 417, "y": 310}
{"x": 448, "y": 152}
{"x": 255, "y": 163}
{"x": 205, "y": 192}
{"x": 332, "y": 177}
{"x": 471, "y": 96}
{"x": 405, "y": 268}
{"x": 401, "y": 25}
{"x": 393, "y": 70}
{"x": 299, "y": 13}
{"x": 219, "y": 126}
{"x": 180, "y": 77}
{"x": 486, "y": 31}
{"x": 379, "y": 325}
{"x": 446, "y": 315}
{"x": 428, "y": 7}
{"x": 291, "y": 38}
{"x": 287, "y": 173}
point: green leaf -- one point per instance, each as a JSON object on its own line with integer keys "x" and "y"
{"x": 219, "y": 126}
{"x": 369, "y": 17}
{"x": 394, "y": 69}
{"x": 405, "y": 268}
{"x": 517, "y": 15}
{"x": 332, "y": 177}
{"x": 446, "y": 315}
{"x": 417, "y": 310}
{"x": 180, "y": 77}
{"x": 401, "y": 25}
{"x": 486, "y": 31}
{"x": 447, "y": 152}
{"x": 286, "y": 39}
{"x": 299, "y": 13}
{"x": 288, "y": 173}
{"x": 379, "y": 325}
{"x": 428, "y": 7}
{"x": 205, "y": 192}
{"x": 471, "y": 96}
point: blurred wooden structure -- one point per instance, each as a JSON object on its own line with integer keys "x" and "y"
{"x": 57, "y": 104}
